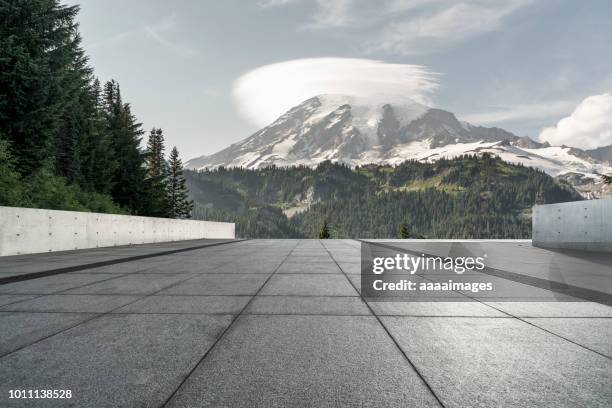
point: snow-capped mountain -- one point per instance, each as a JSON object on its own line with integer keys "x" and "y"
{"x": 359, "y": 131}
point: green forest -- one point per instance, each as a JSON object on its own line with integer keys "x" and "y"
{"x": 68, "y": 142}
{"x": 466, "y": 197}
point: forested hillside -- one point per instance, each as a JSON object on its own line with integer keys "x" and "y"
{"x": 68, "y": 142}
{"x": 467, "y": 197}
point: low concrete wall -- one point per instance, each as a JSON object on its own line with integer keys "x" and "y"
{"x": 28, "y": 230}
{"x": 582, "y": 225}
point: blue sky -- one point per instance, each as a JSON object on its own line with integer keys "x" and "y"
{"x": 518, "y": 64}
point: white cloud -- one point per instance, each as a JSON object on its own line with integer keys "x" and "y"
{"x": 588, "y": 127}
{"x": 539, "y": 110}
{"x": 267, "y": 92}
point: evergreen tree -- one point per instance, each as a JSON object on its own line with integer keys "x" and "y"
{"x": 156, "y": 164}
{"x": 179, "y": 203}
{"x": 70, "y": 144}
{"x": 324, "y": 232}
{"x": 157, "y": 176}
{"x": 404, "y": 233}
{"x": 41, "y": 70}
{"x": 129, "y": 186}
{"x": 97, "y": 158}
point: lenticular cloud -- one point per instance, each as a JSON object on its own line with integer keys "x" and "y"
{"x": 265, "y": 93}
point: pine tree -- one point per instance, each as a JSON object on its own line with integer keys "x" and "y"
{"x": 324, "y": 232}
{"x": 41, "y": 71}
{"x": 97, "y": 157}
{"x": 157, "y": 176}
{"x": 404, "y": 233}
{"x": 179, "y": 203}
{"x": 129, "y": 186}
{"x": 156, "y": 164}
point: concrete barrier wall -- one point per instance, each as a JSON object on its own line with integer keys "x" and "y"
{"x": 582, "y": 225}
{"x": 28, "y": 230}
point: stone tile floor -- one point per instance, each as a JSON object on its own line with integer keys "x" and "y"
{"x": 281, "y": 323}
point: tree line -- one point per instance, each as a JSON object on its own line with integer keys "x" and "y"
{"x": 66, "y": 140}
{"x": 472, "y": 196}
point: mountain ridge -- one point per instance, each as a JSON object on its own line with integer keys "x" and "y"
{"x": 358, "y": 131}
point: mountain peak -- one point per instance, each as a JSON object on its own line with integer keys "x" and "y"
{"x": 358, "y": 130}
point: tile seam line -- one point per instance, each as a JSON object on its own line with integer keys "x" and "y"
{"x": 395, "y": 342}
{"x": 225, "y": 331}
{"x": 508, "y": 313}
{"x": 98, "y": 315}
{"x": 75, "y": 268}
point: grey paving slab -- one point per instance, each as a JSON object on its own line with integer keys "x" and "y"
{"x": 441, "y": 308}
{"x": 306, "y": 268}
{"x": 355, "y": 281}
{"x": 315, "y": 285}
{"x": 144, "y": 267}
{"x": 308, "y": 305}
{"x": 188, "y": 304}
{"x": 553, "y": 309}
{"x": 318, "y": 253}
{"x": 352, "y": 268}
{"x": 309, "y": 260}
{"x": 21, "y": 329}
{"x": 56, "y": 283}
{"x": 71, "y": 303}
{"x": 254, "y": 267}
{"x": 483, "y": 362}
{"x": 594, "y": 333}
{"x": 113, "y": 361}
{"x": 22, "y": 264}
{"x": 232, "y": 284}
{"x": 7, "y": 299}
{"x": 129, "y": 285}
{"x": 297, "y": 361}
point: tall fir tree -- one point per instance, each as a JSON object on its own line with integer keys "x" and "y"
{"x": 70, "y": 144}
{"x": 156, "y": 164}
{"x": 157, "y": 176}
{"x": 42, "y": 68}
{"x": 128, "y": 188}
{"x": 98, "y": 161}
{"x": 179, "y": 203}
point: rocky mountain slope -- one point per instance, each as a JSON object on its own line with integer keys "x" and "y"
{"x": 359, "y": 131}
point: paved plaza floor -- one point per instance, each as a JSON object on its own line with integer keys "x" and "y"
{"x": 262, "y": 323}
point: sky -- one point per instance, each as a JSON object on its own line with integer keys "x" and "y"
{"x": 212, "y": 72}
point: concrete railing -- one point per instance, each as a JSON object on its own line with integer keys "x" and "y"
{"x": 582, "y": 225}
{"x": 28, "y": 230}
